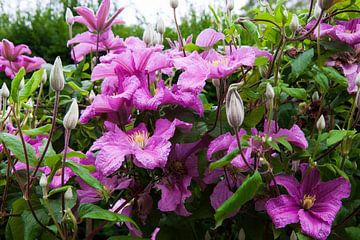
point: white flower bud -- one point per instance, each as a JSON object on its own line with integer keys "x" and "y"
{"x": 285, "y": 13}
{"x": 72, "y": 116}
{"x": 234, "y": 108}
{"x": 68, "y": 194}
{"x": 357, "y": 80}
{"x": 293, "y": 236}
{"x": 320, "y": 124}
{"x": 317, "y": 11}
{"x": 148, "y": 35}
{"x": 160, "y": 25}
{"x": 270, "y": 94}
{"x": 5, "y": 91}
{"x": 315, "y": 97}
{"x": 21, "y": 84}
{"x": 241, "y": 235}
{"x": 230, "y": 5}
{"x": 57, "y": 80}
{"x": 43, "y": 181}
{"x": 69, "y": 17}
{"x": 174, "y": 3}
{"x": 92, "y": 96}
{"x": 44, "y": 77}
{"x": 294, "y": 24}
{"x": 93, "y": 63}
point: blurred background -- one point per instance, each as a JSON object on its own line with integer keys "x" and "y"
{"x": 40, "y": 23}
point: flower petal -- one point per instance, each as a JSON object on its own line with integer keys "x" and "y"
{"x": 283, "y": 210}
{"x": 312, "y": 226}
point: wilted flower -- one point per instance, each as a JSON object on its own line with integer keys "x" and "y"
{"x": 72, "y": 116}
{"x": 57, "y": 79}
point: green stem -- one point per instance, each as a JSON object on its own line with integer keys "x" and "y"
{"x": 315, "y": 149}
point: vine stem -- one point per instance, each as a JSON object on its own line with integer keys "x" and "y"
{"x": 67, "y": 139}
{"x": 38, "y": 102}
{"x": 179, "y": 34}
{"x": 241, "y": 152}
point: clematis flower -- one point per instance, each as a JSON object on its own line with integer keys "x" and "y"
{"x": 311, "y": 202}
{"x": 149, "y": 152}
{"x": 350, "y": 70}
{"x": 208, "y": 38}
{"x": 98, "y": 23}
{"x": 177, "y": 178}
{"x": 11, "y": 52}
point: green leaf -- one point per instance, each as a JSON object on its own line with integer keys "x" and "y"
{"x": 273, "y": 145}
{"x": 334, "y": 75}
{"x": 301, "y": 236}
{"x": 15, "y": 85}
{"x": 191, "y": 47}
{"x": 243, "y": 194}
{"x": 321, "y": 80}
{"x": 31, "y": 85}
{"x": 335, "y": 136}
{"x": 335, "y": 170}
{"x": 32, "y": 230}
{"x": 352, "y": 233}
{"x": 282, "y": 141}
{"x": 225, "y": 160}
{"x": 14, "y": 144}
{"x": 84, "y": 174}
{"x": 38, "y": 131}
{"x": 127, "y": 238}
{"x": 301, "y": 63}
{"x": 299, "y": 93}
{"x": 57, "y": 190}
{"x": 254, "y": 117}
{"x": 91, "y": 211}
{"x": 78, "y": 89}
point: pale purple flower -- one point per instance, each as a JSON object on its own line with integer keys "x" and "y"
{"x": 149, "y": 151}
{"x": 350, "y": 71}
{"x": 311, "y": 202}
{"x": 208, "y": 38}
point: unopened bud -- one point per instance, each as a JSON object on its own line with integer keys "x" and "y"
{"x": 174, "y": 3}
{"x": 5, "y": 91}
{"x": 68, "y": 194}
{"x": 157, "y": 38}
{"x": 21, "y": 84}
{"x": 230, "y": 5}
{"x": 326, "y": 4}
{"x": 93, "y": 63}
{"x": 294, "y": 24}
{"x": 57, "y": 80}
{"x": 44, "y": 77}
{"x": 72, "y": 116}
{"x": 263, "y": 70}
{"x": 320, "y": 124}
{"x": 270, "y": 94}
{"x": 285, "y": 13}
{"x": 241, "y": 235}
{"x": 357, "y": 80}
{"x": 148, "y": 35}
{"x": 315, "y": 97}
{"x": 92, "y": 96}
{"x": 295, "y": 165}
{"x": 43, "y": 181}
{"x": 317, "y": 11}
{"x": 160, "y": 26}
{"x": 234, "y": 108}
{"x": 293, "y": 236}
{"x": 69, "y": 17}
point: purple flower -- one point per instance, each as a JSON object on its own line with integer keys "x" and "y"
{"x": 311, "y": 202}
{"x": 209, "y": 37}
{"x": 179, "y": 171}
{"x": 149, "y": 152}
{"x": 350, "y": 71}
{"x": 99, "y": 23}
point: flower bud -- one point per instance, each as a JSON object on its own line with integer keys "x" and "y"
{"x": 57, "y": 79}
{"x": 43, "y": 181}
{"x": 270, "y": 94}
{"x": 293, "y": 236}
{"x": 230, "y": 5}
{"x": 241, "y": 235}
{"x": 326, "y": 4}
{"x": 357, "y": 80}
{"x": 317, "y": 11}
{"x": 68, "y": 194}
{"x": 294, "y": 24}
{"x": 44, "y": 77}
{"x": 174, "y": 3}
{"x": 234, "y": 108}
{"x": 92, "y": 96}
{"x": 160, "y": 25}
{"x": 5, "y": 91}
{"x": 30, "y": 103}
{"x": 72, "y": 116}
{"x": 21, "y": 84}
{"x": 157, "y": 38}
{"x": 69, "y": 17}
{"x": 295, "y": 165}
{"x": 148, "y": 35}
{"x": 93, "y": 63}
{"x": 263, "y": 69}
{"x": 315, "y": 97}
{"x": 320, "y": 124}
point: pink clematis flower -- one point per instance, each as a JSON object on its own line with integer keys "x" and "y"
{"x": 149, "y": 152}
{"x": 311, "y": 202}
{"x": 98, "y": 23}
{"x": 208, "y": 38}
{"x": 177, "y": 178}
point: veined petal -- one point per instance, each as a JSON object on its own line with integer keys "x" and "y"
{"x": 291, "y": 184}
{"x": 283, "y": 210}
{"x": 209, "y": 37}
{"x": 102, "y": 15}
{"x": 312, "y": 226}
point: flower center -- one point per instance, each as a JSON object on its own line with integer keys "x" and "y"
{"x": 216, "y": 63}
{"x": 308, "y": 201}
{"x": 139, "y": 138}
{"x": 178, "y": 168}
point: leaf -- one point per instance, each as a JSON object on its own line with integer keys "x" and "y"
{"x": 335, "y": 136}
{"x": 254, "y": 117}
{"x": 57, "y": 190}
{"x": 273, "y": 145}
{"x": 322, "y": 81}
{"x": 84, "y": 174}
{"x": 282, "y": 141}
{"x": 191, "y": 47}
{"x": 243, "y": 194}
{"x": 31, "y": 85}
{"x": 91, "y": 211}
{"x": 334, "y": 75}
{"x": 38, "y": 131}
{"x": 299, "y": 93}
{"x": 14, "y": 144}
{"x": 32, "y": 230}
{"x": 335, "y": 170}
{"x": 301, "y": 63}
{"x": 15, "y": 85}
{"x": 225, "y": 160}
{"x": 78, "y": 89}
{"x": 352, "y": 233}
{"x": 127, "y": 238}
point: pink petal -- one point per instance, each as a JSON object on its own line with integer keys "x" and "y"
{"x": 283, "y": 210}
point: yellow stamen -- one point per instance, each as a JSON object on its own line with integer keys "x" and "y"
{"x": 308, "y": 201}
{"x": 139, "y": 138}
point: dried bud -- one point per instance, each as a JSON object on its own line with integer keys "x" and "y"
{"x": 68, "y": 194}
{"x": 174, "y": 3}
{"x": 72, "y": 116}
{"x": 21, "y": 84}
{"x": 148, "y": 35}
{"x": 230, "y": 5}
{"x": 43, "y": 181}
{"x": 57, "y": 79}
{"x": 69, "y": 17}
{"x": 294, "y": 24}
{"x": 160, "y": 25}
{"x": 320, "y": 124}
{"x": 234, "y": 108}
{"x": 241, "y": 235}
{"x": 44, "y": 77}
{"x": 315, "y": 97}
{"x": 270, "y": 94}
{"x": 5, "y": 91}
{"x": 357, "y": 81}
{"x": 317, "y": 11}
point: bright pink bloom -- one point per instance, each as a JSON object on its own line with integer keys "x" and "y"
{"x": 209, "y": 37}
